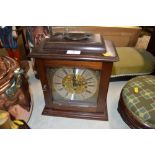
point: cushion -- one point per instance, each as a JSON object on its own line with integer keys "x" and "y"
{"x": 139, "y": 98}
{"x": 133, "y": 62}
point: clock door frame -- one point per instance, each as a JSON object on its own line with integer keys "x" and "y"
{"x": 100, "y": 112}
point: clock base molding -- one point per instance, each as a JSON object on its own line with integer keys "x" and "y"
{"x": 72, "y": 114}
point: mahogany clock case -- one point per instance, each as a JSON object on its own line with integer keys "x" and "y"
{"x": 51, "y": 57}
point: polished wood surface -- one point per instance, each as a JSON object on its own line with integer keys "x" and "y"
{"x": 91, "y": 43}
{"x": 85, "y": 55}
{"x": 103, "y": 88}
{"x": 73, "y": 114}
{"x": 81, "y": 64}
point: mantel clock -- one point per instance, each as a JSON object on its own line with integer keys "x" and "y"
{"x": 74, "y": 70}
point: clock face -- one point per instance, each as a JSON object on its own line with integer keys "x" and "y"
{"x": 74, "y": 84}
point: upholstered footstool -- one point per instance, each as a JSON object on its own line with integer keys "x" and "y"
{"x": 137, "y": 102}
{"x": 143, "y": 63}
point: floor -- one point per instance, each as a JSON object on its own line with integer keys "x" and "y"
{"x": 39, "y": 121}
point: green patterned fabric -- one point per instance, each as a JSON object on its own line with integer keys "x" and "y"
{"x": 139, "y": 96}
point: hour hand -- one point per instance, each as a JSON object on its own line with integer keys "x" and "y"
{"x": 74, "y": 77}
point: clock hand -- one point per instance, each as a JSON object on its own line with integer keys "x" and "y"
{"x": 74, "y": 77}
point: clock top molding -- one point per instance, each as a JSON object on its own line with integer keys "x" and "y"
{"x": 92, "y": 47}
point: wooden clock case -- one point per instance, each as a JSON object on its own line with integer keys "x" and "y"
{"x": 52, "y": 53}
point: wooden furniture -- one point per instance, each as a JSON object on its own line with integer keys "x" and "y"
{"x": 21, "y": 31}
{"x": 151, "y": 47}
{"x": 121, "y": 36}
{"x": 74, "y": 74}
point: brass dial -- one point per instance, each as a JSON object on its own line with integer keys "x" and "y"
{"x": 75, "y": 83}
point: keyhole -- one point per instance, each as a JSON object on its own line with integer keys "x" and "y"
{"x": 44, "y": 87}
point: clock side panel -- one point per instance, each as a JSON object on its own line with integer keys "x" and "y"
{"x": 41, "y": 71}
{"x": 103, "y": 90}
